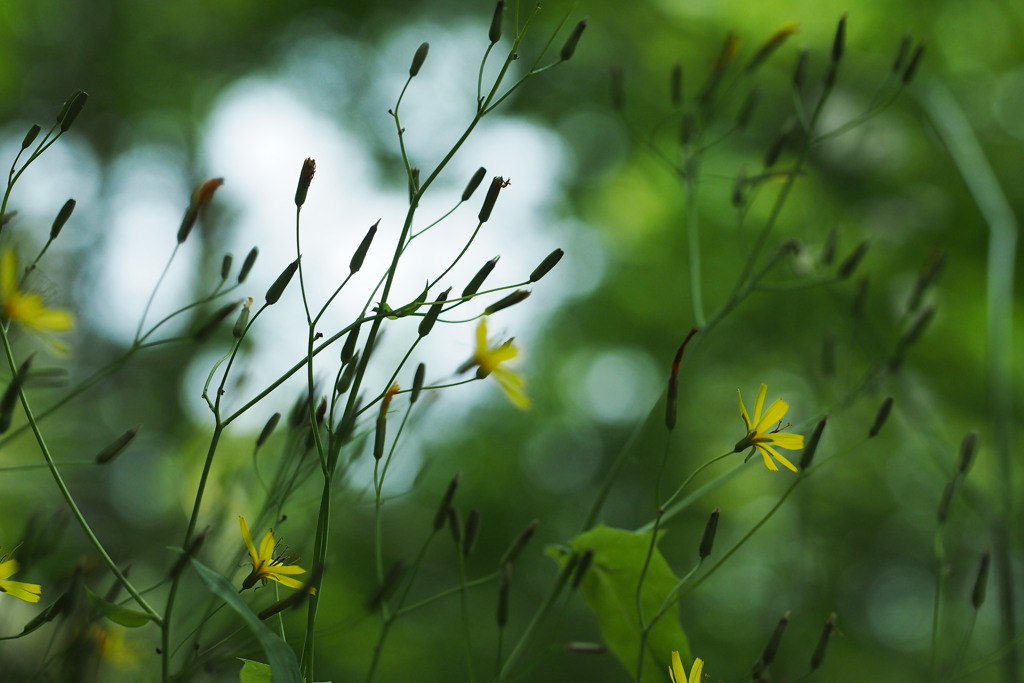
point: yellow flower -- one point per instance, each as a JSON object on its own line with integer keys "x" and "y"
{"x": 678, "y": 674}
{"x": 26, "y": 308}
{"x": 488, "y": 361}
{"x": 113, "y": 647}
{"x": 265, "y": 565}
{"x": 29, "y": 592}
{"x": 760, "y": 438}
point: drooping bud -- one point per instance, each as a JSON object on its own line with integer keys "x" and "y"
{"x": 268, "y": 429}
{"x": 549, "y": 262}
{"x": 30, "y": 136}
{"x": 469, "y": 534}
{"x": 880, "y": 417}
{"x": 206, "y": 330}
{"x": 305, "y": 178}
{"x": 725, "y": 58}
{"x": 514, "y": 550}
{"x": 771, "y": 45}
{"x": 474, "y": 285}
{"x": 72, "y": 108}
{"x": 475, "y": 181}
{"x": 418, "y": 59}
{"x": 582, "y": 567}
{"x": 812, "y": 444}
{"x": 913, "y": 333}
{"x": 357, "y": 258}
{"x": 430, "y": 318}
{"x": 62, "y": 217}
{"x": 497, "y": 182}
{"x": 201, "y": 197}
{"x": 446, "y": 502}
{"x": 277, "y": 289}
{"x": 510, "y": 300}
{"x": 417, "y": 382}
{"x": 672, "y": 400}
{"x": 117, "y": 446}
{"x": 981, "y": 581}
{"x": 826, "y": 635}
{"x": 707, "y": 541}
{"x": 967, "y": 448}
{"x": 569, "y": 49}
{"x": 850, "y": 263}
{"x": 494, "y": 33}
{"x": 770, "y": 650}
{"x": 247, "y": 265}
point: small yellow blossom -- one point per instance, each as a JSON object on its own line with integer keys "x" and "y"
{"x": 27, "y": 308}
{"x": 678, "y": 674}
{"x": 265, "y": 565}
{"x": 29, "y": 592}
{"x": 113, "y": 647}
{"x": 488, "y": 361}
{"x": 763, "y": 440}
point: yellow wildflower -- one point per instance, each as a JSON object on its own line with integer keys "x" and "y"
{"x": 678, "y": 674}
{"x": 763, "y": 440}
{"x": 488, "y": 361}
{"x": 265, "y": 565}
{"x": 27, "y": 308}
{"x": 29, "y": 592}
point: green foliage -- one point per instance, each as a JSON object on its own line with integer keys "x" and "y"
{"x": 124, "y": 616}
{"x": 609, "y": 588}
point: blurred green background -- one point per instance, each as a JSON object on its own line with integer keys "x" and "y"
{"x": 181, "y": 91}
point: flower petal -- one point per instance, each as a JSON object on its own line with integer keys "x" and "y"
{"x": 248, "y": 541}
{"x": 8, "y": 569}
{"x": 285, "y": 569}
{"x": 790, "y": 442}
{"x": 696, "y": 671}
{"x": 267, "y": 547}
{"x": 779, "y": 457}
{"x": 677, "y": 673}
{"x": 481, "y": 338}
{"x": 8, "y": 273}
{"x": 512, "y": 384}
{"x": 775, "y": 412}
{"x": 285, "y": 580}
{"x": 759, "y": 403}
{"x": 29, "y": 592}
{"x": 743, "y": 411}
{"x": 767, "y": 459}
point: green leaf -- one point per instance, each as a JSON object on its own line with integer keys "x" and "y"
{"x": 254, "y": 672}
{"x": 117, "y": 614}
{"x": 282, "y": 660}
{"x": 609, "y": 589}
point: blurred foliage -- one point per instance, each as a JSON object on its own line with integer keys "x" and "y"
{"x": 856, "y": 539}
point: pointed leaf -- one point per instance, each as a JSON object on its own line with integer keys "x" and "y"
{"x": 254, "y": 672}
{"x": 282, "y": 659}
{"x": 609, "y": 589}
{"x": 117, "y": 614}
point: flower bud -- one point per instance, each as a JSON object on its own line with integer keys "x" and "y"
{"x": 839, "y": 42}
{"x": 771, "y": 45}
{"x": 347, "y": 375}
{"x": 514, "y": 550}
{"x": 497, "y": 182}
{"x": 469, "y": 534}
{"x": 901, "y": 53}
{"x": 880, "y": 417}
{"x": 417, "y": 382}
{"x": 967, "y": 448}
{"x": 418, "y": 59}
{"x": 206, "y": 330}
{"x": 386, "y": 586}
{"x": 777, "y": 146}
{"x": 747, "y": 110}
{"x": 268, "y": 429}
{"x": 189, "y": 552}
{"x": 446, "y": 502}
{"x": 62, "y": 217}
{"x": 247, "y": 265}
{"x": 812, "y": 444}
{"x": 582, "y": 567}
{"x": 707, "y": 541}
{"x": 671, "y": 403}
{"x": 30, "y": 136}
{"x": 768, "y": 656}
{"x": 225, "y": 266}
{"x": 826, "y": 634}
{"x": 981, "y": 581}
{"x": 475, "y": 181}
{"x": 850, "y": 263}
{"x": 915, "y": 61}
{"x": 380, "y": 436}
{"x": 305, "y": 178}
{"x": 72, "y": 108}
{"x": 435, "y": 310}
{"x": 243, "y": 320}
{"x": 474, "y": 285}
{"x": 510, "y": 300}
{"x": 201, "y": 197}
{"x": 116, "y": 447}
{"x": 357, "y": 258}
{"x": 494, "y": 33}
{"x": 277, "y": 289}
{"x": 569, "y": 49}
{"x": 349, "y": 348}
{"x": 11, "y": 394}
{"x": 800, "y": 70}
{"x": 549, "y": 262}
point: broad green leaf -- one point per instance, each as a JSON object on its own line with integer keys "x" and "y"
{"x": 609, "y": 589}
{"x": 254, "y": 672}
{"x": 117, "y": 614}
{"x": 282, "y": 660}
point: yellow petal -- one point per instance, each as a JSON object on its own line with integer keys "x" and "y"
{"x": 780, "y": 458}
{"x": 29, "y": 592}
{"x": 481, "y": 338}
{"x": 696, "y": 671}
{"x": 512, "y": 384}
{"x": 743, "y": 411}
{"x": 774, "y": 413}
{"x": 8, "y": 273}
{"x": 759, "y": 403}
{"x": 677, "y": 673}
{"x": 266, "y": 553}
{"x": 285, "y": 569}
{"x": 790, "y": 442}
{"x": 767, "y": 459}
{"x": 285, "y": 581}
{"x": 248, "y": 541}
{"x": 8, "y": 569}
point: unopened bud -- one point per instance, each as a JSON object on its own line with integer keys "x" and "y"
{"x": 474, "y": 285}
{"x": 771, "y": 45}
{"x": 707, "y": 541}
{"x": 446, "y": 502}
{"x": 347, "y": 375}
{"x": 800, "y": 70}
{"x": 739, "y": 189}
{"x": 915, "y": 61}
{"x": 812, "y": 444}
{"x": 201, "y": 197}
{"x": 116, "y": 447}
{"x": 435, "y": 310}
{"x": 880, "y": 417}
{"x": 225, "y": 266}
{"x": 30, "y": 136}
{"x": 305, "y": 178}
{"x": 981, "y": 581}
{"x": 497, "y": 182}
{"x": 671, "y": 403}
{"x": 839, "y": 42}
{"x": 850, "y": 263}
{"x": 62, "y": 217}
{"x": 417, "y": 382}
{"x": 828, "y": 250}
{"x": 242, "y": 324}
{"x": 510, "y": 300}
{"x": 386, "y": 586}
{"x": 59, "y": 606}
{"x": 930, "y": 272}
{"x": 569, "y": 49}
{"x": 901, "y": 53}
{"x": 418, "y": 59}
{"x": 206, "y": 330}
{"x": 475, "y": 181}
{"x": 247, "y": 265}
{"x": 469, "y": 534}
{"x": 826, "y": 635}
{"x": 768, "y": 656}
{"x": 72, "y": 108}
{"x": 779, "y": 144}
{"x": 455, "y": 525}
{"x": 512, "y": 554}
{"x": 268, "y": 429}
{"x": 747, "y": 110}
{"x": 357, "y": 258}
{"x": 349, "y": 348}
{"x": 494, "y": 33}
{"x": 549, "y": 262}
{"x": 967, "y": 449}
{"x": 277, "y": 289}
{"x": 913, "y": 333}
